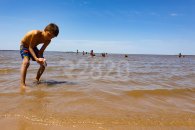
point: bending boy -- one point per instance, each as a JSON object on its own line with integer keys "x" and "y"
{"x": 29, "y": 50}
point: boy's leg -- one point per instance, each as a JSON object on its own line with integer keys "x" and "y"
{"x": 40, "y": 72}
{"x": 24, "y": 67}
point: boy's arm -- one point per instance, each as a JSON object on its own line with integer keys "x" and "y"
{"x": 31, "y": 46}
{"x": 44, "y": 47}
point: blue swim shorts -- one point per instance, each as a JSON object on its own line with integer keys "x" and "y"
{"x": 26, "y": 53}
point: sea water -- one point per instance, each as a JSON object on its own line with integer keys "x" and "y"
{"x": 113, "y": 92}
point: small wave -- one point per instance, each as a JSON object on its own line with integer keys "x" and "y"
{"x": 8, "y": 70}
{"x": 162, "y": 92}
{"x": 76, "y": 70}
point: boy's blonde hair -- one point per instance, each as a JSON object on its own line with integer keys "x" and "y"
{"x": 53, "y": 28}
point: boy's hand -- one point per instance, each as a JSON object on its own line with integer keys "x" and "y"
{"x": 41, "y": 60}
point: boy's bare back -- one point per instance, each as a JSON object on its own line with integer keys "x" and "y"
{"x": 34, "y": 38}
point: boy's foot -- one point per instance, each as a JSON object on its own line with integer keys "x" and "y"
{"x": 24, "y": 87}
{"x": 37, "y": 81}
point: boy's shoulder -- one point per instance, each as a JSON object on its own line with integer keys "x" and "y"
{"x": 34, "y": 32}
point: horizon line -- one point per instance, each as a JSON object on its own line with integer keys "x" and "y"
{"x": 108, "y": 53}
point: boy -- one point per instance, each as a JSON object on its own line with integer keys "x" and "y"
{"x": 28, "y": 49}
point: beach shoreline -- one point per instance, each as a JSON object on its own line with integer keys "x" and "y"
{"x": 21, "y": 123}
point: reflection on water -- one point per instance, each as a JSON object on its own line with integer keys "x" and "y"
{"x": 76, "y": 91}
{"x": 55, "y": 82}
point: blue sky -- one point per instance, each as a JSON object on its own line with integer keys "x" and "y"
{"x": 113, "y": 26}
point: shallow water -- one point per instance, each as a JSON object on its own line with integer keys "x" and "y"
{"x": 76, "y": 91}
